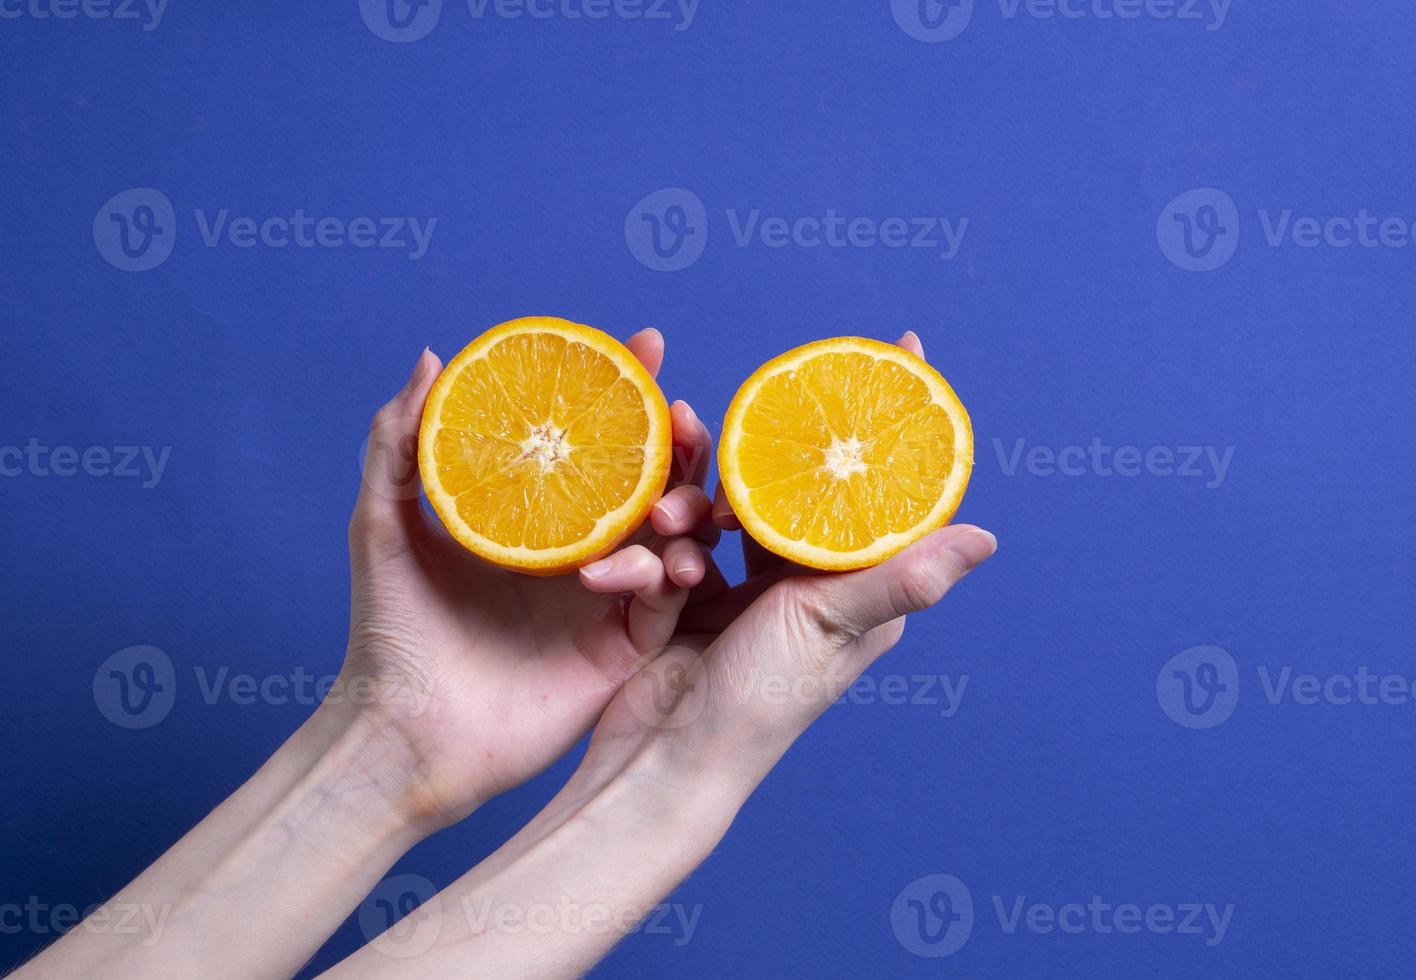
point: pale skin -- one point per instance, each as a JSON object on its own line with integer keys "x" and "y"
{"x": 462, "y": 681}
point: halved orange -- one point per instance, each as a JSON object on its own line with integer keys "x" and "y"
{"x": 838, "y": 454}
{"x": 544, "y": 444}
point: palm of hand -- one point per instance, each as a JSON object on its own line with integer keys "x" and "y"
{"x": 717, "y": 643}
{"x": 488, "y": 676}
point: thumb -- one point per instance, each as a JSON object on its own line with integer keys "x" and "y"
{"x": 849, "y": 606}
{"x": 389, "y": 505}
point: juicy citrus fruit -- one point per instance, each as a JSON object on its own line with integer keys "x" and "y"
{"x": 840, "y": 453}
{"x": 544, "y": 444}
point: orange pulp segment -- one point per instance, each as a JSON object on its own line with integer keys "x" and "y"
{"x": 839, "y": 454}
{"x": 543, "y": 445}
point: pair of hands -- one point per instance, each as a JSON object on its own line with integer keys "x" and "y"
{"x": 484, "y": 677}
{"x": 463, "y": 680}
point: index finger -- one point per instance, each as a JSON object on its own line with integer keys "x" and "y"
{"x": 693, "y": 447}
{"x": 648, "y": 346}
{"x": 911, "y": 342}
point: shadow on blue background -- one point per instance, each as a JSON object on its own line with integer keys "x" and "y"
{"x": 1087, "y": 299}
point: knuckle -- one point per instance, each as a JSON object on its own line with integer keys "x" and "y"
{"x": 364, "y": 528}
{"x": 373, "y": 531}
{"x": 688, "y": 506}
{"x": 641, "y": 562}
{"x": 698, "y": 503}
{"x": 638, "y": 556}
{"x": 386, "y": 416}
{"x": 678, "y": 550}
{"x": 919, "y": 586}
{"x": 812, "y": 611}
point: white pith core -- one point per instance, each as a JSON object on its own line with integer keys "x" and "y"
{"x": 844, "y": 457}
{"x": 545, "y": 445}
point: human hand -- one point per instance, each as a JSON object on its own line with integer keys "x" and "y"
{"x": 482, "y": 675}
{"x": 675, "y": 755}
{"x": 752, "y": 666}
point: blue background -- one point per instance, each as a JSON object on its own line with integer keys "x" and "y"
{"x": 1060, "y": 321}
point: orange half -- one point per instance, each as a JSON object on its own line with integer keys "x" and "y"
{"x": 544, "y": 444}
{"x": 839, "y": 454}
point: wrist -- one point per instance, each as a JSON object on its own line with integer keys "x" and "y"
{"x": 370, "y": 761}
{"x": 328, "y": 810}
{"x": 665, "y": 783}
{"x": 623, "y": 832}
{"x": 348, "y": 807}
{"x": 382, "y": 717}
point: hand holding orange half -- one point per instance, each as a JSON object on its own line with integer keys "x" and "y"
{"x": 486, "y": 675}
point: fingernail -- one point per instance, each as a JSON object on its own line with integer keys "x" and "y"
{"x": 417, "y": 374}
{"x": 685, "y": 568}
{"x": 972, "y": 548}
{"x": 672, "y": 509}
{"x": 910, "y": 335}
{"x": 598, "y": 569}
{"x": 688, "y": 410}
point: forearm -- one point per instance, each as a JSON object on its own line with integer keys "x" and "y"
{"x": 559, "y": 895}
{"x": 257, "y": 887}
